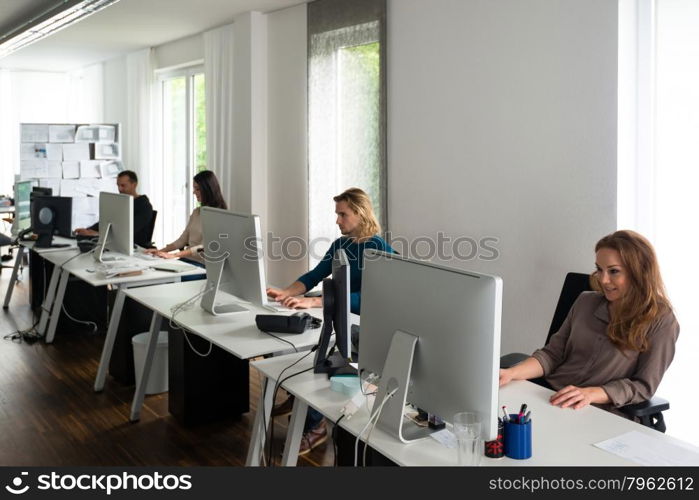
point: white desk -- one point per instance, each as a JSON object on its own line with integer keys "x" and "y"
{"x": 559, "y": 436}
{"x": 29, "y": 245}
{"x": 236, "y": 333}
{"x": 83, "y": 266}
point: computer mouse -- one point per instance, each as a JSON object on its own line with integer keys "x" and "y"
{"x": 301, "y": 315}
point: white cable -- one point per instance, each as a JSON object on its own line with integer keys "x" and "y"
{"x": 94, "y": 325}
{"x": 373, "y": 417}
{"x": 182, "y": 306}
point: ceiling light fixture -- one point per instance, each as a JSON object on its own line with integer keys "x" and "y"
{"x": 60, "y": 16}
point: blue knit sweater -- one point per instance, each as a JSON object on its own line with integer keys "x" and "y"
{"x": 355, "y": 256}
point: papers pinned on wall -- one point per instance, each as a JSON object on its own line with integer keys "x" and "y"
{"x": 96, "y": 133}
{"x": 107, "y": 151}
{"x": 30, "y": 132}
{"x": 110, "y": 169}
{"x": 61, "y": 133}
{"x": 54, "y": 152}
{"x": 109, "y": 185}
{"x": 54, "y": 169}
{"x": 90, "y": 169}
{"x": 76, "y": 152}
{"x": 54, "y": 184}
{"x": 32, "y": 151}
{"x": 85, "y": 211}
{"x": 71, "y": 169}
{"x": 33, "y": 169}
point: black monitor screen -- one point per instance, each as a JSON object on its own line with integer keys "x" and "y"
{"x": 40, "y": 191}
{"x": 51, "y": 215}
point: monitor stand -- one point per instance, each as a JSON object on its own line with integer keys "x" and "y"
{"x": 396, "y": 377}
{"x": 208, "y": 300}
{"x": 44, "y": 240}
{"x": 101, "y": 242}
{"x": 330, "y": 362}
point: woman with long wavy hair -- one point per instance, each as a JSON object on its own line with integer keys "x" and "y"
{"x": 207, "y": 191}
{"x": 617, "y": 342}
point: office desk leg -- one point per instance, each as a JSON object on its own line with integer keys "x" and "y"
{"x": 48, "y": 300}
{"x": 109, "y": 340}
{"x": 13, "y": 279}
{"x": 145, "y": 370}
{"x": 259, "y": 431}
{"x": 57, "y": 306}
{"x": 294, "y": 433}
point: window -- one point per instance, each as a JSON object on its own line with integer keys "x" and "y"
{"x": 657, "y": 174}
{"x": 183, "y": 146}
{"x": 346, "y": 111}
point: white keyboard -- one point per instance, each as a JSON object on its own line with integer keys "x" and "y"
{"x": 146, "y": 256}
{"x": 276, "y": 306}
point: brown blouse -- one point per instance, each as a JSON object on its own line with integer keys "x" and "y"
{"x": 581, "y": 354}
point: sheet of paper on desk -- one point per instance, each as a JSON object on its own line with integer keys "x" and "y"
{"x": 645, "y": 449}
{"x": 445, "y": 437}
{"x": 54, "y": 152}
{"x": 34, "y": 133}
{"x": 61, "y": 133}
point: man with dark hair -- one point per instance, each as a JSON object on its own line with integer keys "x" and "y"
{"x": 127, "y": 181}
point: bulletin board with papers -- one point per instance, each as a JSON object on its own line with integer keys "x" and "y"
{"x": 76, "y": 160}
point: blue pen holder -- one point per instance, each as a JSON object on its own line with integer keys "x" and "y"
{"x": 518, "y": 439}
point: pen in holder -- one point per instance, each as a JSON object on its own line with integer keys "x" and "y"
{"x": 518, "y": 438}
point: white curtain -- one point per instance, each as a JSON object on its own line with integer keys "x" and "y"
{"x": 8, "y": 133}
{"x": 218, "y": 72}
{"x": 140, "y": 151}
{"x": 658, "y": 175}
{"x": 86, "y": 95}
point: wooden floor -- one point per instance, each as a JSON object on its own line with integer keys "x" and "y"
{"x": 50, "y": 415}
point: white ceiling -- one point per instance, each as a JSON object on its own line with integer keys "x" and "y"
{"x": 125, "y": 26}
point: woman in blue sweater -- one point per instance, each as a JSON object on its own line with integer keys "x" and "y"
{"x": 359, "y": 229}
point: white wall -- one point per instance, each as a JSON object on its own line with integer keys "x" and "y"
{"x": 502, "y": 123}
{"x": 114, "y": 99}
{"x": 178, "y": 52}
{"x": 27, "y": 97}
{"x": 287, "y": 160}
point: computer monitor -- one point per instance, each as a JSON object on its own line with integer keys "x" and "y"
{"x": 233, "y": 261}
{"x": 116, "y": 225}
{"x": 51, "y": 215}
{"x": 23, "y": 214}
{"x": 433, "y": 334}
{"x": 40, "y": 191}
{"x": 336, "y": 317}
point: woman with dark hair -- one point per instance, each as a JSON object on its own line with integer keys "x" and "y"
{"x": 208, "y": 193}
{"x": 616, "y": 343}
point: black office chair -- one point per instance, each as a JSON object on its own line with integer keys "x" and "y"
{"x": 648, "y": 413}
{"x": 151, "y": 229}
